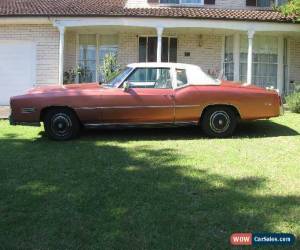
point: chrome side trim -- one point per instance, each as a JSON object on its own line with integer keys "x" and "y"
{"x": 169, "y": 124}
{"x": 28, "y": 110}
{"x": 133, "y": 107}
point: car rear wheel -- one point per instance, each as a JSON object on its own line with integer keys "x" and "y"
{"x": 219, "y": 121}
{"x": 61, "y": 124}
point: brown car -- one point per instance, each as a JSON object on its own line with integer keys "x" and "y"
{"x": 146, "y": 93}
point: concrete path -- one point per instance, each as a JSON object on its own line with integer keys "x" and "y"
{"x": 4, "y": 112}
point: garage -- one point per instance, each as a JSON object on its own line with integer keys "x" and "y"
{"x": 17, "y": 68}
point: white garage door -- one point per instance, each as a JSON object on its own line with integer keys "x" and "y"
{"x": 17, "y": 68}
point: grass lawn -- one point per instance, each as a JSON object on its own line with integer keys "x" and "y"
{"x": 148, "y": 188}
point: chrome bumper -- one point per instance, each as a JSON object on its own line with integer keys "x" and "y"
{"x": 14, "y": 123}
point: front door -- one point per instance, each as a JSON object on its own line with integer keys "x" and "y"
{"x": 149, "y": 99}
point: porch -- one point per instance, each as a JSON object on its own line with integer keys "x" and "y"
{"x": 266, "y": 54}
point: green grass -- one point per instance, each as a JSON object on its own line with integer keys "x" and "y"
{"x": 148, "y": 188}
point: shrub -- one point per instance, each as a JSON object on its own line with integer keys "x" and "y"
{"x": 293, "y": 101}
{"x": 110, "y": 67}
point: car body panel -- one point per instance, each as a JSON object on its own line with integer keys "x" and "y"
{"x": 137, "y": 105}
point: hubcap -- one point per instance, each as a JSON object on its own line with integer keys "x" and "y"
{"x": 219, "y": 121}
{"x": 61, "y": 124}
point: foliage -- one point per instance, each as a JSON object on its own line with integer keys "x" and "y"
{"x": 293, "y": 101}
{"x": 110, "y": 67}
{"x": 148, "y": 188}
{"x": 82, "y": 72}
{"x": 70, "y": 76}
{"x": 292, "y": 8}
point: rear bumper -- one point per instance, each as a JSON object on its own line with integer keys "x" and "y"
{"x": 14, "y": 123}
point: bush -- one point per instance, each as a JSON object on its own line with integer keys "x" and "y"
{"x": 293, "y": 102}
{"x": 110, "y": 67}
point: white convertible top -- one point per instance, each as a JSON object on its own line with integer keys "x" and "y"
{"x": 195, "y": 74}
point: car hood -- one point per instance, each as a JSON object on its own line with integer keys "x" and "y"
{"x": 58, "y": 88}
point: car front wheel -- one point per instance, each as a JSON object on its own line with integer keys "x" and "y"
{"x": 61, "y": 124}
{"x": 219, "y": 122}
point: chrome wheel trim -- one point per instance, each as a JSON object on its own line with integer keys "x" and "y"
{"x": 219, "y": 122}
{"x": 61, "y": 124}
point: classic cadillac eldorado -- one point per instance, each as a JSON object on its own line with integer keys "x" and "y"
{"x": 146, "y": 94}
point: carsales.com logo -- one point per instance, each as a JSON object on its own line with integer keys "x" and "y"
{"x": 256, "y": 239}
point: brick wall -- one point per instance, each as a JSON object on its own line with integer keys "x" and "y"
{"x": 208, "y": 55}
{"x": 231, "y": 4}
{"x": 46, "y": 38}
{"x": 205, "y": 51}
{"x": 128, "y": 48}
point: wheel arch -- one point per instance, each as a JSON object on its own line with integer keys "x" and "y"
{"x": 231, "y": 106}
{"x": 44, "y": 110}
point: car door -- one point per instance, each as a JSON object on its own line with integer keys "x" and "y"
{"x": 187, "y": 101}
{"x": 149, "y": 98}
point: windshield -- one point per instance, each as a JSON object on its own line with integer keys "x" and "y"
{"x": 116, "y": 81}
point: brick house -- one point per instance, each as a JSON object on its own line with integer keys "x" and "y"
{"x": 246, "y": 40}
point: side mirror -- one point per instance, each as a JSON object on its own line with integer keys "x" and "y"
{"x": 126, "y": 85}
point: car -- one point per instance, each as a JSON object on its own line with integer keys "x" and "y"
{"x": 146, "y": 94}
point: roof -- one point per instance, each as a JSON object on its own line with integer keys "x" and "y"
{"x": 97, "y": 8}
{"x": 160, "y": 64}
{"x": 195, "y": 75}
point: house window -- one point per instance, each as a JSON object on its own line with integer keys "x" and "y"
{"x": 148, "y": 49}
{"x": 264, "y": 3}
{"x": 228, "y": 58}
{"x": 260, "y": 3}
{"x": 87, "y": 57}
{"x": 92, "y": 51}
{"x": 108, "y": 44}
{"x": 265, "y": 60}
{"x": 192, "y": 2}
{"x": 281, "y": 2}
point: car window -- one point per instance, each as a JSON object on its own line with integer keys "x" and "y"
{"x": 159, "y": 78}
{"x": 181, "y": 77}
{"x": 115, "y": 81}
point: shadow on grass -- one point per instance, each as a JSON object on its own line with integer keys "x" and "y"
{"x": 254, "y": 129}
{"x": 101, "y": 196}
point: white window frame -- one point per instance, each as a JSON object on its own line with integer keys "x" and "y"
{"x": 181, "y": 3}
{"x": 98, "y": 45}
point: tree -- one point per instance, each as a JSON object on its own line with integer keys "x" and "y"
{"x": 292, "y": 8}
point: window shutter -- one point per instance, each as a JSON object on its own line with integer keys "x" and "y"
{"x": 153, "y": 1}
{"x": 209, "y": 1}
{"x": 250, "y": 2}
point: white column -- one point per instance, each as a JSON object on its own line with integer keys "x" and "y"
{"x": 236, "y": 56}
{"x": 159, "y": 31}
{"x": 250, "y": 56}
{"x": 280, "y": 68}
{"x": 61, "y": 54}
